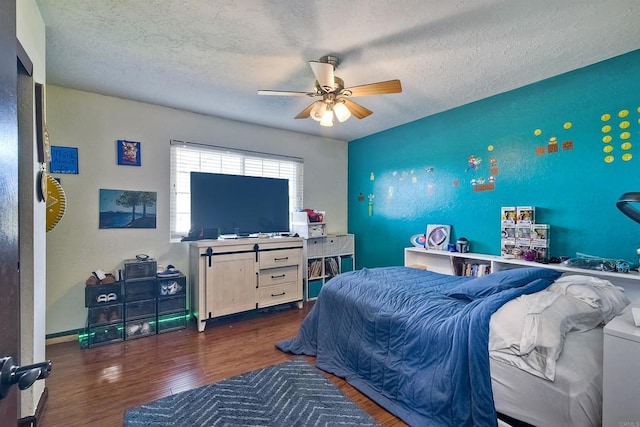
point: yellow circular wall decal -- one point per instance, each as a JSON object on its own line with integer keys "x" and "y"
{"x": 608, "y": 159}
{"x": 623, "y": 113}
{"x": 606, "y": 138}
{"x": 624, "y": 125}
{"x": 568, "y": 125}
{"x": 625, "y": 135}
{"x": 537, "y": 132}
{"x": 607, "y": 149}
{"x": 490, "y": 148}
{"x": 605, "y": 117}
{"x": 606, "y": 128}
{"x": 626, "y": 145}
{"x": 626, "y": 157}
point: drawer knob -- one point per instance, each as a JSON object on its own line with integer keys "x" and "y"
{"x": 278, "y": 295}
{"x": 281, "y": 259}
{"x": 278, "y": 277}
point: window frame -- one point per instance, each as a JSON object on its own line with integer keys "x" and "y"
{"x": 186, "y": 157}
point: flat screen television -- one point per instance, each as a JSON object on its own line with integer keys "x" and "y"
{"x": 237, "y": 204}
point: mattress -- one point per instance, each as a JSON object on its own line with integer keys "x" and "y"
{"x": 573, "y": 399}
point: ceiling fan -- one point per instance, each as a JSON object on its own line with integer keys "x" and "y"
{"x": 335, "y": 97}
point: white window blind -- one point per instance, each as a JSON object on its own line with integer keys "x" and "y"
{"x": 193, "y": 157}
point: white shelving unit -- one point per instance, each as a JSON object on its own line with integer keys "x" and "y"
{"x": 443, "y": 261}
{"x": 326, "y": 257}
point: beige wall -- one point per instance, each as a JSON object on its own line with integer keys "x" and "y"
{"x": 93, "y": 123}
{"x": 30, "y": 31}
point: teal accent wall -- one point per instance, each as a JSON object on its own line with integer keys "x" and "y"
{"x": 419, "y": 172}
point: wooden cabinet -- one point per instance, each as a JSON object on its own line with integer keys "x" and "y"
{"x": 232, "y": 276}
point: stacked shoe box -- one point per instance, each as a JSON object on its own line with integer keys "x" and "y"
{"x": 106, "y": 313}
{"x": 172, "y": 301}
{"x": 139, "y": 298}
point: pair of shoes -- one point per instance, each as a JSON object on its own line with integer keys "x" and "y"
{"x": 107, "y": 297}
{"x": 94, "y": 279}
{"x": 171, "y": 288}
{"x": 171, "y": 271}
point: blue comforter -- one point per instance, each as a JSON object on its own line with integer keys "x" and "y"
{"x": 414, "y": 341}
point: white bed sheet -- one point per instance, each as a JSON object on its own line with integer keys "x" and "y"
{"x": 573, "y": 399}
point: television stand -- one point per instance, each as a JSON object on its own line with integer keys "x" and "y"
{"x": 233, "y": 275}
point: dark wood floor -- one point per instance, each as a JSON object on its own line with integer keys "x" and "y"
{"x": 95, "y": 386}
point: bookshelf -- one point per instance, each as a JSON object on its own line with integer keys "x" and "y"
{"x": 326, "y": 257}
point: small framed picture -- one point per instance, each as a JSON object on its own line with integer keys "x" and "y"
{"x": 129, "y": 153}
{"x": 437, "y": 236}
{"x": 64, "y": 160}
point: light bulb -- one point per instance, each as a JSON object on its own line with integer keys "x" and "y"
{"x": 318, "y": 110}
{"x": 327, "y": 118}
{"x": 342, "y": 112}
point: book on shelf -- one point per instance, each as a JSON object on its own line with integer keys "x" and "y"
{"x": 472, "y": 269}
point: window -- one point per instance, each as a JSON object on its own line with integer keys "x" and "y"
{"x": 192, "y": 157}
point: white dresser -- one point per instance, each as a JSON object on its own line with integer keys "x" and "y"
{"x": 621, "y": 376}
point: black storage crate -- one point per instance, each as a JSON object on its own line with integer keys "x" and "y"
{"x": 140, "y": 328}
{"x": 172, "y": 322}
{"x": 140, "y": 309}
{"x": 99, "y": 335}
{"x": 96, "y": 295}
{"x": 172, "y": 286}
{"x": 136, "y": 269}
{"x": 105, "y": 314}
{"x": 171, "y": 304}
{"x": 136, "y": 290}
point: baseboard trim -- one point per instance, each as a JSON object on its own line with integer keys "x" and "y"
{"x": 32, "y": 420}
{"x": 58, "y": 340}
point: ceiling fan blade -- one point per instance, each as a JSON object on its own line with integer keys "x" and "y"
{"x": 356, "y": 109}
{"x": 284, "y": 93}
{"x": 380, "y": 88}
{"x": 305, "y": 114}
{"x": 324, "y": 75}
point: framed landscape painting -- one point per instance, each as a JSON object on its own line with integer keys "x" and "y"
{"x": 127, "y": 209}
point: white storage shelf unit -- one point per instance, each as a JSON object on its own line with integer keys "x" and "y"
{"x": 326, "y": 257}
{"x": 442, "y": 261}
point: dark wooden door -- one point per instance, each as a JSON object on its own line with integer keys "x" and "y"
{"x": 9, "y": 253}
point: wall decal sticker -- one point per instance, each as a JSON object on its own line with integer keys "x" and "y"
{"x": 473, "y": 163}
{"x": 372, "y": 176}
{"x": 371, "y": 197}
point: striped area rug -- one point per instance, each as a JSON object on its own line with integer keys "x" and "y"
{"x": 292, "y": 393}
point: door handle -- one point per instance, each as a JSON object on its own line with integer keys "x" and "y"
{"x": 24, "y": 376}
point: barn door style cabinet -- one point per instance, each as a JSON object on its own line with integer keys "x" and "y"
{"x": 236, "y": 275}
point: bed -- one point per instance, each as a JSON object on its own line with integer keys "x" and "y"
{"x": 418, "y": 343}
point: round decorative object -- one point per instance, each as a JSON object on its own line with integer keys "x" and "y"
{"x": 56, "y": 202}
{"x": 418, "y": 240}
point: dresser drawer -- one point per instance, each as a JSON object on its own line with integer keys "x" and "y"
{"x": 276, "y": 276}
{"x": 279, "y": 294}
{"x": 280, "y": 258}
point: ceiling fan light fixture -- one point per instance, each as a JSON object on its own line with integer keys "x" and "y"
{"x": 327, "y": 117}
{"x": 318, "y": 110}
{"x": 342, "y": 112}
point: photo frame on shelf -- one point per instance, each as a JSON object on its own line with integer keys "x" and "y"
{"x": 129, "y": 153}
{"x": 437, "y": 236}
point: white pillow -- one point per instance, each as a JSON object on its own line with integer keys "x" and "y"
{"x": 599, "y": 293}
{"x": 528, "y": 332}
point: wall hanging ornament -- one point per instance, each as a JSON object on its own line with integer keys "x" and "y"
{"x": 56, "y": 202}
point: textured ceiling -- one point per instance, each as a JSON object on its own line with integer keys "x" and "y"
{"x": 211, "y": 57}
